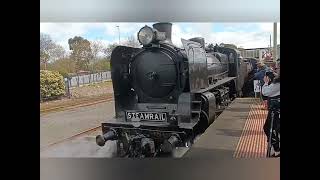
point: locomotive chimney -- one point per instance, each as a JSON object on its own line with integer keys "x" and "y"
{"x": 164, "y": 27}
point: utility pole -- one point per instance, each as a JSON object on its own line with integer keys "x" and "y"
{"x": 274, "y": 41}
{"x": 270, "y": 47}
{"x": 118, "y": 33}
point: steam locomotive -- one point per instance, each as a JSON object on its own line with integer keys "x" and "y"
{"x": 165, "y": 95}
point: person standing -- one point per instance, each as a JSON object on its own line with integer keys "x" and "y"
{"x": 259, "y": 75}
{"x": 272, "y": 91}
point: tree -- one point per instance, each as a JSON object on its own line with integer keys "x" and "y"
{"x": 101, "y": 65}
{"x": 44, "y": 59}
{"x": 64, "y": 66}
{"x": 229, "y": 45}
{"x": 97, "y": 48}
{"x": 46, "y": 45}
{"x": 81, "y": 52}
{"x": 132, "y": 42}
{"x": 49, "y": 50}
{"x": 210, "y": 46}
{"x": 108, "y": 50}
{"x": 57, "y": 52}
{"x": 51, "y": 85}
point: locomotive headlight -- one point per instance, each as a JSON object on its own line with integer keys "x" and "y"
{"x": 146, "y": 35}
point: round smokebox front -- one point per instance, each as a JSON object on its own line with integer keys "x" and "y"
{"x": 154, "y": 73}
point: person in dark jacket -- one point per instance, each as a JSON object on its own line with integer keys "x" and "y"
{"x": 259, "y": 75}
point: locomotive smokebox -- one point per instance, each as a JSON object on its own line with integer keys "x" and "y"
{"x": 164, "y": 27}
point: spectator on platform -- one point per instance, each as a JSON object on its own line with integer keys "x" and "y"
{"x": 259, "y": 75}
{"x": 272, "y": 91}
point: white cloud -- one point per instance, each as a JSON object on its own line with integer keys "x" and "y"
{"x": 61, "y": 32}
{"x": 235, "y": 34}
{"x": 125, "y": 28}
{"x": 244, "y": 39}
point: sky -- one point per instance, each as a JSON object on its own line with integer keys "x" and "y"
{"x": 245, "y": 35}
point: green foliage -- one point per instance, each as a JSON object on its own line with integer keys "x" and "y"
{"x": 101, "y": 65}
{"x": 132, "y": 42}
{"x": 49, "y": 50}
{"x": 85, "y": 55}
{"x": 108, "y": 51}
{"x": 52, "y": 85}
{"x": 81, "y": 52}
{"x": 64, "y": 66}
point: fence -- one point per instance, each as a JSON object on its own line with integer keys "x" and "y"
{"x": 77, "y": 81}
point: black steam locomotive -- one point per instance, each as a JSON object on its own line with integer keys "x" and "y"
{"x": 164, "y": 95}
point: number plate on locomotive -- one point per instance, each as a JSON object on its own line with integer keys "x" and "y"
{"x": 146, "y": 116}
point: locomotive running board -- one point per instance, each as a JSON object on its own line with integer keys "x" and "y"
{"x": 220, "y": 82}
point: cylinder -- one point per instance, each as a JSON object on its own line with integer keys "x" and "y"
{"x": 169, "y": 144}
{"x": 101, "y": 139}
{"x": 147, "y": 146}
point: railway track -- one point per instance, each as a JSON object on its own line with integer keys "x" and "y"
{"x": 71, "y": 137}
{"x": 66, "y": 107}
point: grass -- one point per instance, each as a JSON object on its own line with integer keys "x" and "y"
{"x": 105, "y": 83}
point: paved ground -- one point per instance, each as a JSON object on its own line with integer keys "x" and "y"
{"x": 253, "y": 141}
{"x": 236, "y": 133}
{"x": 59, "y": 125}
{"x": 221, "y": 138}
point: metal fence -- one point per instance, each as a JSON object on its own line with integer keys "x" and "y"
{"x": 77, "y": 81}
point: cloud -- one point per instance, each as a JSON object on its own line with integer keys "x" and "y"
{"x": 247, "y": 35}
{"x": 178, "y": 34}
{"x": 125, "y": 28}
{"x": 61, "y": 32}
{"x": 268, "y": 28}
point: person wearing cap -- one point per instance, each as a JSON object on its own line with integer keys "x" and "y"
{"x": 259, "y": 75}
{"x": 272, "y": 91}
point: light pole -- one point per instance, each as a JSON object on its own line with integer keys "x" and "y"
{"x": 118, "y": 33}
{"x": 274, "y": 42}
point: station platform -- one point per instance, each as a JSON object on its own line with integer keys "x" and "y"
{"x": 236, "y": 133}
